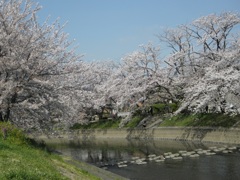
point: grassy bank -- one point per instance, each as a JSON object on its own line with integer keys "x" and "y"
{"x": 202, "y": 120}
{"x": 21, "y": 159}
{"x": 102, "y": 124}
{"x": 180, "y": 120}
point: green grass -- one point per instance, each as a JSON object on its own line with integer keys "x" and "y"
{"x": 21, "y": 160}
{"x": 102, "y": 124}
{"x": 164, "y": 108}
{"x": 181, "y": 120}
{"x": 201, "y": 120}
{"x": 134, "y": 122}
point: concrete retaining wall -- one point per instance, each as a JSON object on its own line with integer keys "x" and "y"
{"x": 219, "y": 135}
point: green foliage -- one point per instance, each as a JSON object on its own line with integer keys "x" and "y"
{"x": 216, "y": 120}
{"x": 179, "y": 120}
{"x": 157, "y": 108}
{"x": 12, "y": 134}
{"x": 102, "y": 124}
{"x": 164, "y": 108}
{"x": 173, "y": 106}
{"x": 137, "y": 112}
{"x": 211, "y": 120}
{"x": 134, "y": 122}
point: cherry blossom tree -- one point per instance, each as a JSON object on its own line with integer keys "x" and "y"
{"x": 212, "y": 46}
{"x": 180, "y": 60}
{"x": 31, "y": 56}
{"x": 79, "y": 90}
{"x": 43, "y": 82}
{"x": 138, "y": 76}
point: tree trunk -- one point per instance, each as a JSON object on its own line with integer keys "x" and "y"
{"x": 5, "y": 112}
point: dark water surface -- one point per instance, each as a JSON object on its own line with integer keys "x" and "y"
{"x": 107, "y": 153}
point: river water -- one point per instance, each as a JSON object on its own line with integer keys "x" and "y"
{"x": 112, "y": 153}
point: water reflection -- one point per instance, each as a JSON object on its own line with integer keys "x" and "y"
{"x": 107, "y": 153}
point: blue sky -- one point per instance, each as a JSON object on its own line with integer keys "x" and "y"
{"x": 110, "y": 29}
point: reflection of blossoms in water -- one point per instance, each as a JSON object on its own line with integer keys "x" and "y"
{"x": 152, "y": 159}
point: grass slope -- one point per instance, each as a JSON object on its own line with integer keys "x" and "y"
{"x": 202, "y": 120}
{"x": 19, "y": 159}
{"x": 99, "y": 124}
{"x": 182, "y": 120}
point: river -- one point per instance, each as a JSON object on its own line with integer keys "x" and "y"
{"x": 120, "y": 156}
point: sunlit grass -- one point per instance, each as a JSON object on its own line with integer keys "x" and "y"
{"x": 102, "y": 124}
{"x": 24, "y": 162}
{"x": 21, "y": 160}
{"x": 202, "y": 120}
{"x": 134, "y": 122}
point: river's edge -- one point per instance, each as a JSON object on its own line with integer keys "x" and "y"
{"x": 91, "y": 169}
{"x": 193, "y": 134}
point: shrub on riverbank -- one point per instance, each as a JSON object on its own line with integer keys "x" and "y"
{"x": 163, "y": 108}
{"x": 12, "y": 134}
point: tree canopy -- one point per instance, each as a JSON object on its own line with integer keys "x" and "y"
{"x": 43, "y": 82}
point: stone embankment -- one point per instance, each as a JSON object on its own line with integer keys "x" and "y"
{"x": 207, "y": 134}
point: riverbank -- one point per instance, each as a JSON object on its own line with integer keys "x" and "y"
{"x": 24, "y": 158}
{"x": 93, "y": 170}
{"x": 164, "y": 136}
{"x": 195, "y": 134}
{"x": 132, "y": 158}
{"x": 23, "y": 161}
